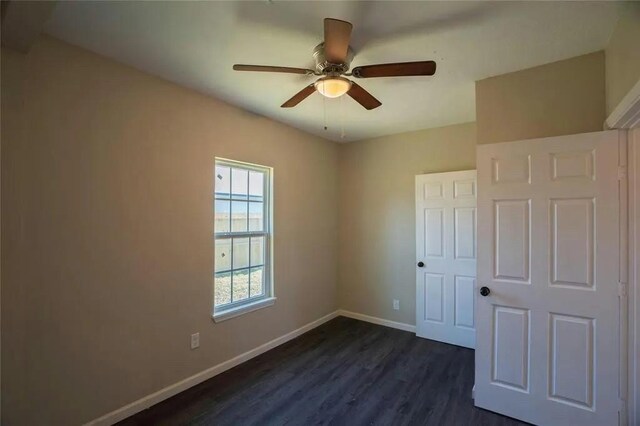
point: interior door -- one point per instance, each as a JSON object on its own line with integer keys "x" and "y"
{"x": 547, "y": 349}
{"x": 446, "y": 257}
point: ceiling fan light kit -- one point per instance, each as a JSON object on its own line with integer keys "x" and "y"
{"x": 333, "y": 59}
{"x": 332, "y": 86}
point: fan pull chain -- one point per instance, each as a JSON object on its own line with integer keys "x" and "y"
{"x": 342, "y": 117}
{"x": 324, "y": 110}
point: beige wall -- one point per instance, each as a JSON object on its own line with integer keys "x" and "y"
{"x": 377, "y": 214}
{"x": 560, "y": 98}
{"x": 623, "y": 55}
{"x": 107, "y": 232}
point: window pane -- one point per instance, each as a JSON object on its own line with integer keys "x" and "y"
{"x": 239, "y": 184}
{"x": 240, "y": 285}
{"x": 256, "y": 216}
{"x": 257, "y": 282}
{"x": 257, "y": 251}
{"x": 222, "y": 181}
{"x": 239, "y": 216}
{"x": 223, "y": 255}
{"x": 256, "y": 186}
{"x": 222, "y": 288}
{"x": 240, "y": 253}
{"x": 223, "y": 216}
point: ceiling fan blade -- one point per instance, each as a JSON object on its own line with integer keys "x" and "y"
{"x": 267, "y": 68}
{"x": 337, "y": 35}
{"x": 299, "y": 97}
{"x": 401, "y": 69}
{"x": 363, "y": 97}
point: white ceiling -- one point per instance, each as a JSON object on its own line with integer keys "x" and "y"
{"x": 195, "y": 44}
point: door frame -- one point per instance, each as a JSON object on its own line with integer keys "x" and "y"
{"x": 626, "y": 117}
{"x": 633, "y": 286}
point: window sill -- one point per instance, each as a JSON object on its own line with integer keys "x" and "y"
{"x": 240, "y": 310}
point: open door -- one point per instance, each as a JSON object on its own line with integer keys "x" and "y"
{"x": 548, "y": 343}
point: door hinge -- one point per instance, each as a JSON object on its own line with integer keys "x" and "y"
{"x": 622, "y": 289}
{"x": 622, "y": 172}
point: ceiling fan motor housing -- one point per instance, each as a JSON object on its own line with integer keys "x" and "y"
{"x": 325, "y": 67}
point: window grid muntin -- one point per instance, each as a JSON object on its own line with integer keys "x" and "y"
{"x": 265, "y": 275}
{"x": 265, "y": 233}
{"x": 226, "y": 271}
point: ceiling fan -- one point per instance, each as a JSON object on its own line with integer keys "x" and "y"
{"x": 333, "y": 58}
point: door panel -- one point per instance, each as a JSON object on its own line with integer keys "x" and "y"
{"x": 446, "y": 225}
{"x": 433, "y": 190}
{"x": 464, "y": 290}
{"x": 434, "y": 232}
{"x": 510, "y": 363}
{"x": 464, "y": 228}
{"x": 572, "y": 165}
{"x": 572, "y": 242}
{"x": 464, "y": 188}
{"x": 571, "y": 372}
{"x": 547, "y": 349}
{"x": 434, "y": 297}
{"x": 511, "y": 169}
{"x": 512, "y": 246}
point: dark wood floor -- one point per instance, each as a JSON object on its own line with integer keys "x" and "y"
{"x": 345, "y": 372}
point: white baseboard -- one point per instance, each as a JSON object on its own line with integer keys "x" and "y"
{"x": 379, "y": 321}
{"x": 174, "y": 389}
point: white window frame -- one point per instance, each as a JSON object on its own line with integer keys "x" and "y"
{"x": 234, "y": 309}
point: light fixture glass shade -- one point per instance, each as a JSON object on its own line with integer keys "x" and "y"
{"x": 333, "y": 87}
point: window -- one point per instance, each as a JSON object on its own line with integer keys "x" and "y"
{"x": 242, "y": 228}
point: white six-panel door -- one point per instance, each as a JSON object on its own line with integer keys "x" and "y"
{"x": 547, "y": 349}
{"x": 446, "y": 257}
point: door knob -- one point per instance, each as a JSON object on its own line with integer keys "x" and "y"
{"x": 420, "y": 264}
{"x": 484, "y": 291}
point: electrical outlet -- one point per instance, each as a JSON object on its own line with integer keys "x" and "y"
{"x": 195, "y": 340}
{"x": 396, "y": 305}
